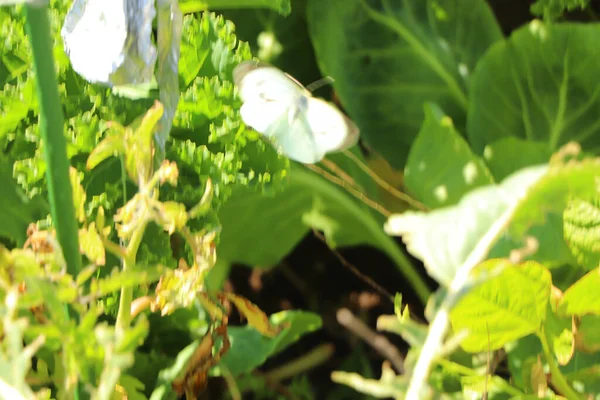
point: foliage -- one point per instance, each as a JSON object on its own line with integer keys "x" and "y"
{"x": 495, "y": 140}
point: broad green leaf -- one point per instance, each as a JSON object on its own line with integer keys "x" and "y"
{"x": 445, "y": 238}
{"x": 539, "y": 216}
{"x": 520, "y": 358}
{"x": 505, "y": 307}
{"x": 552, "y": 9}
{"x": 559, "y": 331}
{"x": 587, "y": 337}
{"x": 534, "y": 86}
{"x": 510, "y": 154}
{"x": 280, "y": 221}
{"x": 582, "y": 231}
{"x": 191, "y": 6}
{"x": 17, "y": 210}
{"x": 389, "y": 57}
{"x": 582, "y": 297}
{"x": 584, "y": 369}
{"x": 249, "y": 348}
{"x": 441, "y": 167}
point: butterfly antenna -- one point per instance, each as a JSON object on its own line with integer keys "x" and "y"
{"x": 355, "y": 192}
{"x": 383, "y": 184}
{"x": 320, "y": 83}
{"x": 355, "y": 270}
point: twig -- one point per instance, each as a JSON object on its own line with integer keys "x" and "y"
{"x": 355, "y": 270}
{"x": 361, "y": 196}
{"x": 379, "y": 342}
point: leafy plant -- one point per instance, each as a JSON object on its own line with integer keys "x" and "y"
{"x": 115, "y": 254}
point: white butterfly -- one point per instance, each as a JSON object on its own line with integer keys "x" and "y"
{"x": 302, "y": 127}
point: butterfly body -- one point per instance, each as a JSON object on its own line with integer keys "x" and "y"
{"x": 276, "y": 105}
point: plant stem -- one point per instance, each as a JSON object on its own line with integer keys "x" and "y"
{"x": 558, "y": 379}
{"x": 124, "y": 313}
{"x": 52, "y": 129}
{"x": 51, "y": 121}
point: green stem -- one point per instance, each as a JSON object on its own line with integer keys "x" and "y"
{"x": 52, "y": 129}
{"x": 124, "y": 313}
{"x": 51, "y": 122}
{"x": 558, "y": 379}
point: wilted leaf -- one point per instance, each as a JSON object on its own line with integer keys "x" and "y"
{"x": 255, "y": 316}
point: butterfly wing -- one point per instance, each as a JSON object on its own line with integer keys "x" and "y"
{"x": 268, "y": 95}
{"x": 300, "y": 126}
{"x": 331, "y": 129}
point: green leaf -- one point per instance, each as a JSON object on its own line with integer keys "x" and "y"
{"x": 445, "y": 238}
{"x": 441, "y": 167}
{"x": 17, "y": 210}
{"x": 534, "y": 86}
{"x": 209, "y": 47}
{"x": 189, "y": 6}
{"x": 552, "y": 9}
{"x": 588, "y": 334}
{"x": 308, "y": 201}
{"x": 510, "y": 154}
{"x": 389, "y": 385}
{"x": 389, "y": 57}
{"x": 559, "y": 331}
{"x": 506, "y": 307}
{"x": 582, "y": 297}
{"x": 90, "y": 244}
{"x": 520, "y": 359}
{"x": 582, "y": 231}
{"x": 249, "y": 348}
{"x": 539, "y": 216}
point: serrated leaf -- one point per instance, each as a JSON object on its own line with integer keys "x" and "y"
{"x": 130, "y": 278}
{"x": 582, "y": 297}
{"x": 552, "y": 9}
{"x": 389, "y": 57}
{"x": 582, "y": 231}
{"x": 17, "y": 210}
{"x": 505, "y": 307}
{"x": 441, "y": 167}
{"x": 445, "y": 238}
{"x": 189, "y": 6}
{"x": 90, "y": 244}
